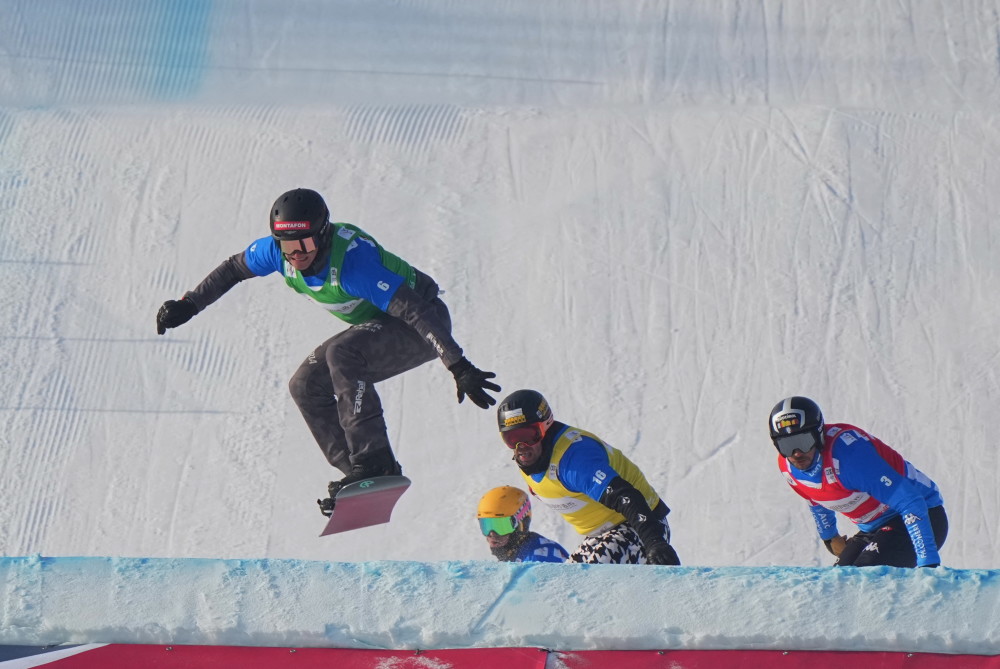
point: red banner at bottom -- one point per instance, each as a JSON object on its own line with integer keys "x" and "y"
{"x": 769, "y": 659}
{"x": 128, "y": 656}
{"x": 125, "y": 656}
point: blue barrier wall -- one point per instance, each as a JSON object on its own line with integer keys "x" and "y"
{"x": 479, "y": 604}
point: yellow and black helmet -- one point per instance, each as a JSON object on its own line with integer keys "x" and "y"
{"x": 523, "y": 407}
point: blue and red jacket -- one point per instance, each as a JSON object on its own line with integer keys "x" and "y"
{"x": 859, "y": 476}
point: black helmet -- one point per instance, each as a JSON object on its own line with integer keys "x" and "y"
{"x": 299, "y": 214}
{"x": 523, "y": 407}
{"x": 796, "y": 423}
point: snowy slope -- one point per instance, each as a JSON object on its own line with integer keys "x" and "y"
{"x": 665, "y": 216}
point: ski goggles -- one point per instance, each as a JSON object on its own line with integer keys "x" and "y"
{"x": 293, "y": 247}
{"x": 526, "y": 434}
{"x": 803, "y": 441}
{"x": 502, "y": 526}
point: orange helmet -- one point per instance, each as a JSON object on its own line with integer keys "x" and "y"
{"x": 504, "y": 510}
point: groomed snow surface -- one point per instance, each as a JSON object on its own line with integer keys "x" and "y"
{"x": 665, "y": 216}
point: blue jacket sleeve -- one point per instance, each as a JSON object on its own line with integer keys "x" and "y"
{"x": 363, "y": 274}
{"x": 263, "y": 257}
{"x": 586, "y": 468}
{"x": 826, "y": 521}
{"x": 862, "y": 468}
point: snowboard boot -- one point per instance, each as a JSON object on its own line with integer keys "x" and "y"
{"x": 380, "y": 464}
{"x": 326, "y": 505}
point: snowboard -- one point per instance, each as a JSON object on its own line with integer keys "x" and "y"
{"x": 365, "y": 503}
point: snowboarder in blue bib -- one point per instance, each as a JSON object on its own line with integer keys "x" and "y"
{"x": 505, "y": 520}
{"x": 397, "y": 322}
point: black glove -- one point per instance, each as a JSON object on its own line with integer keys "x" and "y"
{"x": 661, "y": 553}
{"x": 623, "y": 497}
{"x": 472, "y": 382}
{"x": 174, "y": 313}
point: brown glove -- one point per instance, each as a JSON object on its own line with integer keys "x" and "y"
{"x": 836, "y": 545}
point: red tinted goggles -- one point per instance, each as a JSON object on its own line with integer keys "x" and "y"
{"x": 526, "y": 434}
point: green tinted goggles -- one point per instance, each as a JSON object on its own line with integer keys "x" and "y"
{"x": 502, "y": 526}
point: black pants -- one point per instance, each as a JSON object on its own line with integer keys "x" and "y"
{"x": 890, "y": 545}
{"x": 334, "y": 388}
